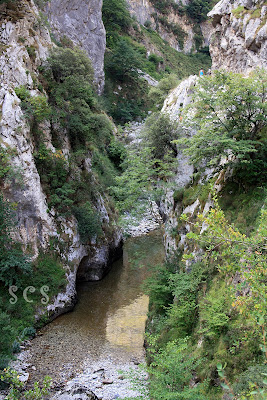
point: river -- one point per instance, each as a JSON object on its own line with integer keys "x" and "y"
{"x": 105, "y": 331}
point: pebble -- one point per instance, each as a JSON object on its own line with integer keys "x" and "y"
{"x": 107, "y": 381}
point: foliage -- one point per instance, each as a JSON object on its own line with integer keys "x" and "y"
{"x": 139, "y": 185}
{"x": 17, "y": 315}
{"x": 54, "y": 171}
{"x": 171, "y": 372}
{"x": 160, "y": 132}
{"x": 89, "y": 222}
{"x": 235, "y": 253}
{"x": 17, "y": 388}
{"x": 159, "y": 93}
{"x": 123, "y": 63}
{"x": 13, "y": 264}
{"x": 66, "y": 62}
{"x": 5, "y": 166}
{"x": 117, "y": 153}
{"x": 35, "y": 108}
{"x": 229, "y": 114}
{"x": 198, "y": 9}
{"x": 116, "y": 18}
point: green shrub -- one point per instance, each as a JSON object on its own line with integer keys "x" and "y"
{"x": 123, "y": 63}
{"x": 35, "y": 107}
{"x": 22, "y": 93}
{"x": 32, "y": 52}
{"x": 66, "y": 62}
{"x": 160, "y": 132}
{"x": 13, "y": 263}
{"x": 116, "y": 18}
{"x": 89, "y": 222}
{"x": 171, "y": 372}
{"x": 198, "y": 9}
{"x": 214, "y": 310}
{"x": 54, "y": 171}
{"x": 116, "y": 153}
{"x": 158, "y": 94}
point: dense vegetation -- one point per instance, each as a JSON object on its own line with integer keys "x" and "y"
{"x": 207, "y": 318}
{"x": 126, "y": 91}
{"x": 206, "y": 333}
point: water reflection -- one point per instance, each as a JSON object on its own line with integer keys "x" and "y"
{"x": 109, "y": 318}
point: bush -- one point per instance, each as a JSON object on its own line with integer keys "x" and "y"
{"x": 89, "y": 223}
{"x": 13, "y": 263}
{"x": 123, "y": 63}
{"x": 35, "y": 107}
{"x": 116, "y": 153}
{"x": 171, "y": 372}
{"x": 159, "y": 93}
{"x": 160, "y": 132}
{"x": 66, "y": 62}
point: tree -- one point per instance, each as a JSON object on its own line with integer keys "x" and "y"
{"x": 116, "y": 16}
{"x": 123, "y": 64}
{"x": 160, "y": 132}
{"x": 66, "y": 62}
{"x": 228, "y": 112}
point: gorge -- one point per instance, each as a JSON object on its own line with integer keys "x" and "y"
{"x": 103, "y": 117}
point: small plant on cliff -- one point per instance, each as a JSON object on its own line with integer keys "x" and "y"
{"x": 35, "y": 108}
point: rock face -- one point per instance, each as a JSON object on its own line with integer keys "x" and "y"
{"x": 81, "y": 21}
{"x": 174, "y": 104}
{"x": 238, "y": 42}
{"x": 145, "y": 12}
{"x": 21, "y": 30}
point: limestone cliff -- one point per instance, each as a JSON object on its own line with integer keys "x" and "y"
{"x": 239, "y": 41}
{"x": 145, "y": 13}
{"x": 24, "y": 43}
{"x": 81, "y": 21}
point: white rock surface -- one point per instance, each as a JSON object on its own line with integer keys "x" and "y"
{"x": 239, "y": 39}
{"x": 81, "y": 21}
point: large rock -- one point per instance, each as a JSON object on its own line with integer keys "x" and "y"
{"x": 238, "y": 42}
{"x": 81, "y": 21}
{"x": 77, "y": 392}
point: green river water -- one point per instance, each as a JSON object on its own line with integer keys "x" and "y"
{"x": 108, "y": 322}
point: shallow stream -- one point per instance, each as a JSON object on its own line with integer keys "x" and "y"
{"x": 105, "y": 331}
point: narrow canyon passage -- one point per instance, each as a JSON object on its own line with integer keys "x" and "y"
{"x": 106, "y": 328}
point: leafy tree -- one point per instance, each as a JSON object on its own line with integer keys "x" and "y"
{"x": 116, "y": 17}
{"x": 123, "y": 64}
{"x": 228, "y": 113}
{"x": 66, "y": 62}
{"x": 198, "y": 9}
{"x": 159, "y": 133}
{"x": 89, "y": 222}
